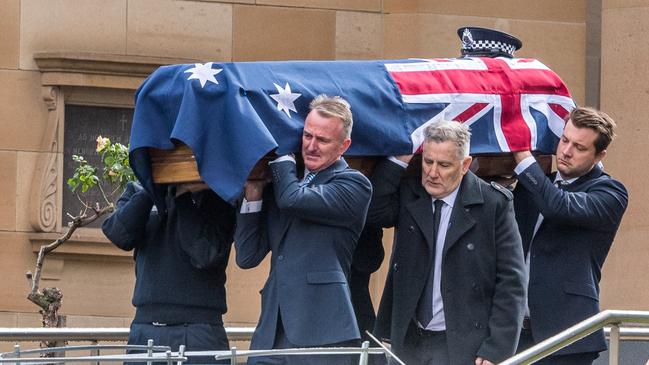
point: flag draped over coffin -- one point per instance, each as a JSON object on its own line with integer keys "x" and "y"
{"x": 232, "y": 114}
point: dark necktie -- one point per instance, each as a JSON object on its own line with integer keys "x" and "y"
{"x": 307, "y": 179}
{"x": 425, "y": 306}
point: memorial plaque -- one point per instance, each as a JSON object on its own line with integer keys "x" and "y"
{"x": 83, "y": 124}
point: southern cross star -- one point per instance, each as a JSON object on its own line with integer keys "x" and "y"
{"x": 285, "y": 99}
{"x": 204, "y": 73}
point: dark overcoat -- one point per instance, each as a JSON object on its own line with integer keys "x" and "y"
{"x": 483, "y": 272}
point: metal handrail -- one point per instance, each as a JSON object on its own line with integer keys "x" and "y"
{"x": 545, "y": 348}
{"x": 155, "y": 354}
{"x": 363, "y": 351}
{"x": 95, "y": 334}
{"x": 630, "y": 333}
{"x": 580, "y": 330}
{"x": 233, "y": 333}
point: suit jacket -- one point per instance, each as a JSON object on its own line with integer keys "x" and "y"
{"x": 569, "y": 248}
{"x": 483, "y": 271}
{"x": 312, "y": 232}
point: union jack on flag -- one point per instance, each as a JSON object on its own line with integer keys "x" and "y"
{"x": 232, "y": 114}
{"x": 497, "y": 97}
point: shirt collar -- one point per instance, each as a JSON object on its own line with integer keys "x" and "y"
{"x": 450, "y": 198}
{"x": 564, "y": 181}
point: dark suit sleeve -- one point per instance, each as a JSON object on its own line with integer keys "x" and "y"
{"x": 383, "y": 322}
{"x": 384, "y": 206}
{"x": 126, "y": 227}
{"x": 339, "y": 202}
{"x": 205, "y": 227}
{"x": 369, "y": 253}
{"x": 251, "y": 238}
{"x": 508, "y": 300}
{"x": 599, "y": 208}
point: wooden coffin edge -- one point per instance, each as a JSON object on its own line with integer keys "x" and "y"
{"x": 179, "y": 165}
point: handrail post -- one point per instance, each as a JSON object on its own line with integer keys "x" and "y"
{"x": 94, "y": 352}
{"x": 149, "y": 351}
{"x": 614, "y": 344}
{"x": 363, "y": 359}
{"x": 233, "y": 359}
{"x": 181, "y": 353}
{"x": 17, "y": 352}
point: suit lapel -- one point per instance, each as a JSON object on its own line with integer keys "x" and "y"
{"x": 594, "y": 173}
{"x": 461, "y": 221}
{"x": 421, "y": 210}
{"x": 320, "y": 178}
{"x": 328, "y": 173}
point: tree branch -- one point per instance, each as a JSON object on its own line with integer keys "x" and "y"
{"x": 78, "y": 221}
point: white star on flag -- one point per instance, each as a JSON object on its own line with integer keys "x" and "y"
{"x": 285, "y": 99}
{"x": 204, "y": 73}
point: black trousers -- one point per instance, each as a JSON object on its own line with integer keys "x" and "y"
{"x": 583, "y": 358}
{"x": 195, "y": 337}
{"x": 363, "y": 308}
{"x": 423, "y": 348}
{"x": 282, "y": 342}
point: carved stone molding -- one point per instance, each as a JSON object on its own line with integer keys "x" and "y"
{"x": 45, "y": 205}
{"x": 84, "y": 241}
{"x": 98, "y": 70}
{"x": 85, "y": 79}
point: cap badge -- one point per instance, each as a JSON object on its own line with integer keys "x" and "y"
{"x": 467, "y": 38}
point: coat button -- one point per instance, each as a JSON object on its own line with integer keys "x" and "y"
{"x": 395, "y": 267}
{"x": 474, "y": 286}
{"x": 470, "y": 247}
{"x": 280, "y": 257}
{"x": 478, "y": 325}
{"x": 411, "y": 228}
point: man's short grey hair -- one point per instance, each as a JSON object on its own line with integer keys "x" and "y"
{"x": 334, "y": 107}
{"x": 453, "y": 131}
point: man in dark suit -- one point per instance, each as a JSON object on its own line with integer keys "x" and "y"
{"x": 455, "y": 292}
{"x": 311, "y": 226}
{"x": 567, "y": 223}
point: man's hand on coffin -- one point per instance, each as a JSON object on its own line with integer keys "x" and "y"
{"x": 404, "y": 158}
{"x": 254, "y": 189}
{"x": 521, "y": 155}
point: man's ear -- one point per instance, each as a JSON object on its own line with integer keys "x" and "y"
{"x": 600, "y": 156}
{"x": 345, "y": 145}
{"x": 466, "y": 163}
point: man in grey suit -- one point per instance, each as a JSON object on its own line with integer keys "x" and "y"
{"x": 456, "y": 287}
{"x": 311, "y": 226}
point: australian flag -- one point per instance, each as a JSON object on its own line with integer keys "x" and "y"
{"x": 232, "y": 114}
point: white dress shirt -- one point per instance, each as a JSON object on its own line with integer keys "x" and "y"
{"x": 255, "y": 206}
{"x": 438, "y": 322}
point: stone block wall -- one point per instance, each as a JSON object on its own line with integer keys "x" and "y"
{"x": 97, "y": 289}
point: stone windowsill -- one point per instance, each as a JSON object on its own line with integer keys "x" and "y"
{"x": 98, "y": 70}
{"x": 84, "y": 242}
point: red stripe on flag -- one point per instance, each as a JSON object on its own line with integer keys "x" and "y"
{"x": 559, "y": 110}
{"x": 470, "y": 112}
{"x": 497, "y": 79}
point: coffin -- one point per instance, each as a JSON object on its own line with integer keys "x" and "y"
{"x": 235, "y": 116}
{"x": 179, "y": 166}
